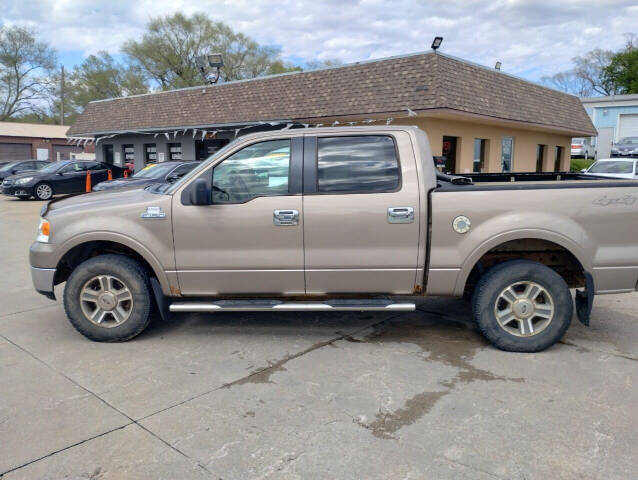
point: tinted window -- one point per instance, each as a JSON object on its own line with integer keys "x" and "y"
{"x": 183, "y": 169}
{"x": 259, "y": 170}
{"x": 357, "y": 164}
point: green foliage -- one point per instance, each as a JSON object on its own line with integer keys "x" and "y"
{"x": 100, "y": 77}
{"x": 168, "y": 51}
{"x": 622, "y": 71}
{"x": 25, "y": 65}
{"x": 577, "y": 164}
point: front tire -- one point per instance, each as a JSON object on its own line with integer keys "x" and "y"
{"x": 522, "y": 306}
{"x": 108, "y": 298}
{"x": 43, "y": 191}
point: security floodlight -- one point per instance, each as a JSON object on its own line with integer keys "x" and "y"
{"x": 207, "y": 62}
{"x": 497, "y": 66}
{"x": 215, "y": 60}
{"x": 436, "y": 43}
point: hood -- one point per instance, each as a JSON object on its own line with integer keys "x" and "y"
{"x": 125, "y": 182}
{"x": 25, "y": 173}
{"x": 612, "y": 175}
{"x": 126, "y": 198}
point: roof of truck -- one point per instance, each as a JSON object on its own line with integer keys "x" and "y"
{"x": 395, "y": 86}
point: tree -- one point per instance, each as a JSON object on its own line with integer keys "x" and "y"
{"x": 568, "y": 82}
{"x": 100, "y": 77}
{"x": 25, "y": 68}
{"x": 168, "y": 51}
{"x": 622, "y": 70}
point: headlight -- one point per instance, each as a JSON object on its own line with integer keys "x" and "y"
{"x": 22, "y": 181}
{"x": 44, "y": 229}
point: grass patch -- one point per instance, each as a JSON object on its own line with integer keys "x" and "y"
{"x": 577, "y": 164}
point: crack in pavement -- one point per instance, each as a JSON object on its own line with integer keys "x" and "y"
{"x": 131, "y": 420}
{"x": 597, "y": 350}
{"x": 261, "y": 375}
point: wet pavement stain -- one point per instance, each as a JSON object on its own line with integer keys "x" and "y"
{"x": 452, "y": 343}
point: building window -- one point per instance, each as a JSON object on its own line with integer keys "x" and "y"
{"x": 558, "y": 158}
{"x": 480, "y": 153}
{"x": 128, "y": 154}
{"x": 363, "y": 164}
{"x": 540, "y": 157}
{"x": 150, "y": 153}
{"x": 507, "y": 154}
{"x": 174, "y": 151}
{"x": 206, "y": 148}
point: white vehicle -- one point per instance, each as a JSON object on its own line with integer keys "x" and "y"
{"x": 614, "y": 168}
{"x": 583, "y": 147}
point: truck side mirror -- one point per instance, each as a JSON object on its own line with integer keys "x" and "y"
{"x": 200, "y": 194}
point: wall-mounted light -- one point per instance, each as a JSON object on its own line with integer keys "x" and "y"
{"x": 436, "y": 43}
{"x": 498, "y": 65}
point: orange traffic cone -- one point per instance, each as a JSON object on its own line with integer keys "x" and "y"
{"x": 88, "y": 181}
{"x": 109, "y": 175}
{"x": 126, "y": 173}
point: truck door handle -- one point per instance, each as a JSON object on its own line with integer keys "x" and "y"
{"x": 285, "y": 217}
{"x": 400, "y": 215}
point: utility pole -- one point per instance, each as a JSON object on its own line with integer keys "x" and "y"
{"x": 62, "y": 97}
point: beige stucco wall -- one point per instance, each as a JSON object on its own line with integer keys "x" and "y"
{"x": 525, "y": 143}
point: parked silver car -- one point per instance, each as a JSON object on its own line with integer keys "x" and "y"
{"x": 583, "y": 147}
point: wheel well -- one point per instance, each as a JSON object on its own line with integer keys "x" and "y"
{"x": 84, "y": 251}
{"x": 556, "y": 257}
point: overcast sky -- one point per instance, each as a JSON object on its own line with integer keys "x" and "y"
{"x": 530, "y": 38}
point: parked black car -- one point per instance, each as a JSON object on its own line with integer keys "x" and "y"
{"x": 68, "y": 176}
{"x": 165, "y": 172}
{"x": 19, "y": 166}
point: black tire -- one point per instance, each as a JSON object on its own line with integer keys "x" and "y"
{"x": 128, "y": 273}
{"x": 488, "y": 292}
{"x": 37, "y": 195}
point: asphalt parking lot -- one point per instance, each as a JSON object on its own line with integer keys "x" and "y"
{"x": 291, "y": 396}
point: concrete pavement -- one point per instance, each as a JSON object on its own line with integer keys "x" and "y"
{"x": 289, "y": 396}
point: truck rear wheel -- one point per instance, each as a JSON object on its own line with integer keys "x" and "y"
{"x": 522, "y": 306}
{"x": 108, "y": 298}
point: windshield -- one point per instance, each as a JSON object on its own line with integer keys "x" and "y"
{"x": 154, "y": 171}
{"x": 629, "y": 140}
{"x": 612, "y": 167}
{"x": 53, "y": 167}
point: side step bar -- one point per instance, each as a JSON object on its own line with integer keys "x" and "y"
{"x": 275, "y": 305}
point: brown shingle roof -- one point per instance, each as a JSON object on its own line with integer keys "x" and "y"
{"x": 419, "y": 82}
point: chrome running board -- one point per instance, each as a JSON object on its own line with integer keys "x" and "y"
{"x": 282, "y": 306}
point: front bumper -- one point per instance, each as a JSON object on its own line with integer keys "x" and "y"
{"x": 43, "y": 281}
{"x": 17, "y": 190}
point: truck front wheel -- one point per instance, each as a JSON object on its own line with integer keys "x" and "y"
{"x": 108, "y": 298}
{"x": 522, "y": 306}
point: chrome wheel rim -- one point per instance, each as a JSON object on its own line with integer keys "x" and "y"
{"x": 524, "y": 309}
{"x": 106, "y": 301}
{"x": 43, "y": 191}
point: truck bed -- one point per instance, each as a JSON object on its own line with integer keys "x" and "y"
{"x": 527, "y": 180}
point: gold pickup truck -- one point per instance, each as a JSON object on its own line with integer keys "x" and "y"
{"x": 333, "y": 219}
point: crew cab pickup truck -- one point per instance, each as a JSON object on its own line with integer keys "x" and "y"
{"x": 341, "y": 219}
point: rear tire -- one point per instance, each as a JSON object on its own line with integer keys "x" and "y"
{"x": 108, "y": 298}
{"x": 522, "y": 306}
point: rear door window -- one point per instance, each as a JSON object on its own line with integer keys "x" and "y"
{"x": 357, "y": 164}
